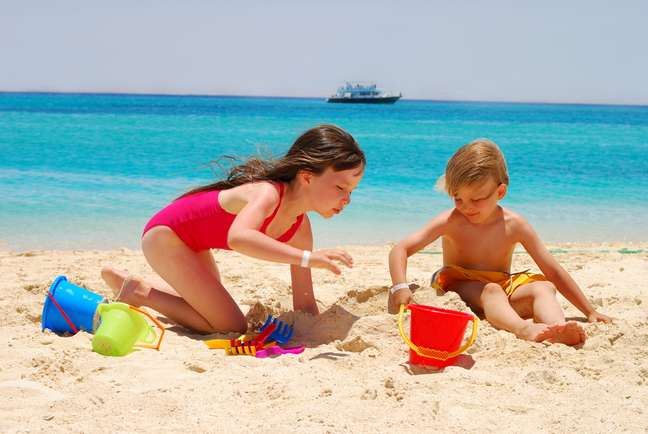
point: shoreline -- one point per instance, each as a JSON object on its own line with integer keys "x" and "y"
{"x": 568, "y": 247}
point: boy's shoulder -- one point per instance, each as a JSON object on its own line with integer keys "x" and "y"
{"x": 451, "y": 219}
{"x": 514, "y": 221}
{"x": 446, "y": 217}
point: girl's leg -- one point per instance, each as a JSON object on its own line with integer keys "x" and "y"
{"x": 120, "y": 281}
{"x": 203, "y": 303}
{"x": 115, "y": 278}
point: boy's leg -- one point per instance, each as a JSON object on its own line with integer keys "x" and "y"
{"x": 538, "y": 300}
{"x": 470, "y": 293}
{"x": 498, "y": 311}
{"x": 501, "y": 315}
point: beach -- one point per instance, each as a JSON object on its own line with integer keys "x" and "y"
{"x": 354, "y": 375}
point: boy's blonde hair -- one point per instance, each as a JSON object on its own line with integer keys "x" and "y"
{"x": 473, "y": 163}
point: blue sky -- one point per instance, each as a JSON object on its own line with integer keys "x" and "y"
{"x": 556, "y": 51}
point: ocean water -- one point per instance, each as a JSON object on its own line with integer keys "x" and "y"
{"x": 87, "y": 171}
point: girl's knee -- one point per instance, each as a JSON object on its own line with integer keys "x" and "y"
{"x": 239, "y": 324}
{"x": 236, "y": 323}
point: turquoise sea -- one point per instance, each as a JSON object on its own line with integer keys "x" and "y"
{"x": 87, "y": 171}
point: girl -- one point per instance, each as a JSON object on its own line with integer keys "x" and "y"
{"x": 259, "y": 211}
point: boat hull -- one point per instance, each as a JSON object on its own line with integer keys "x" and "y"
{"x": 360, "y": 100}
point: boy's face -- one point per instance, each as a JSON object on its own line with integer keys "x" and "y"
{"x": 478, "y": 201}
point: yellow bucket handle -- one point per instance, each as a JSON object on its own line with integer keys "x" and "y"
{"x": 432, "y": 353}
{"x": 157, "y": 324}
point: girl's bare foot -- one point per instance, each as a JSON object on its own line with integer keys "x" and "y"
{"x": 127, "y": 289}
{"x": 114, "y": 278}
{"x": 566, "y": 333}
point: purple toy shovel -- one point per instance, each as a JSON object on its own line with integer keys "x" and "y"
{"x": 276, "y": 350}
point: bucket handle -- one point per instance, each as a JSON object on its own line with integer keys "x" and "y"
{"x": 65, "y": 316}
{"x": 151, "y": 336}
{"x": 151, "y": 331}
{"x": 432, "y": 353}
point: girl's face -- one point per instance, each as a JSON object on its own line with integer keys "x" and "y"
{"x": 330, "y": 191}
{"x": 478, "y": 201}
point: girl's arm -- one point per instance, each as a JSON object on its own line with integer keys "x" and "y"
{"x": 244, "y": 236}
{"x": 556, "y": 274}
{"x": 302, "y": 282}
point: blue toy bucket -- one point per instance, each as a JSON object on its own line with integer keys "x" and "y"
{"x": 69, "y": 308}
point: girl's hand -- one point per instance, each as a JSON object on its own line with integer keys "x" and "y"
{"x": 324, "y": 259}
{"x": 598, "y": 317}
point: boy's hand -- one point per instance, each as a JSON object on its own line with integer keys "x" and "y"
{"x": 598, "y": 317}
{"x": 403, "y": 296}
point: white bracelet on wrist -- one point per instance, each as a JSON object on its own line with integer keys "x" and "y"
{"x": 305, "y": 258}
{"x": 398, "y": 287}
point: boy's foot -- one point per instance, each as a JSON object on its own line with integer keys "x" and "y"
{"x": 570, "y": 333}
{"x": 127, "y": 289}
{"x": 404, "y": 296}
{"x": 567, "y": 333}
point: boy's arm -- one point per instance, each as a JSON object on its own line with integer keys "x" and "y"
{"x": 556, "y": 274}
{"x": 403, "y": 250}
{"x": 302, "y": 282}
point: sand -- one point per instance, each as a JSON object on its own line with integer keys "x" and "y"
{"x": 353, "y": 375}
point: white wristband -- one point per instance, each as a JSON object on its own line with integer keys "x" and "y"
{"x": 398, "y": 287}
{"x": 305, "y": 258}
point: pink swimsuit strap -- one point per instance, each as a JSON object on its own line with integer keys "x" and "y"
{"x": 292, "y": 229}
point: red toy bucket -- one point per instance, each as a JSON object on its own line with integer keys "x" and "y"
{"x": 436, "y": 334}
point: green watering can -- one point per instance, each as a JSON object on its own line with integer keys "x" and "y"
{"x": 122, "y": 328}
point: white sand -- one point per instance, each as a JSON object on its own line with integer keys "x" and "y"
{"x": 353, "y": 376}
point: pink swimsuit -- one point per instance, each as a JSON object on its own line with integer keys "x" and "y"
{"x": 200, "y": 221}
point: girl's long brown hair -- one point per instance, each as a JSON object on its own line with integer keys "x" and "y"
{"x": 314, "y": 151}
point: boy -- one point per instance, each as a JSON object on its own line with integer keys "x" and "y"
{"x": 477, "y": 235}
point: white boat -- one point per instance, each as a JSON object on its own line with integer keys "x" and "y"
{"x": 361, "y": 93}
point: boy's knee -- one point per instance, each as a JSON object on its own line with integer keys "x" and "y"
{"x": 544, "y": 288}
{"x": 491, "y": 290}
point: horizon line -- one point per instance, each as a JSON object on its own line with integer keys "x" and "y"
{"x": 207, "y": 95}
